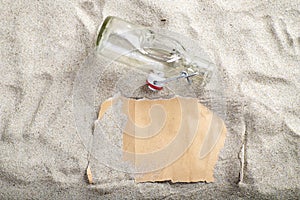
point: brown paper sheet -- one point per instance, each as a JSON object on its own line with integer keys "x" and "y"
{"x": 175, "y": 139}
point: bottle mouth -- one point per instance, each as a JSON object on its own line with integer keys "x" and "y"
{"x": 153, "y": 87}
{"x": 155, "y": 81}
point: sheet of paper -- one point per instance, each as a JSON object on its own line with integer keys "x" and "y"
{"x": 174, "y": 139}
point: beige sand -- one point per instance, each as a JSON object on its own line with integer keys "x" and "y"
{"x": 255, "y": 45}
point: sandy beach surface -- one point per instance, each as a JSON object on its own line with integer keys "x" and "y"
{"x": 254, "y": 44}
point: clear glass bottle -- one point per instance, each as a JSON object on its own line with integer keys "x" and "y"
{"x": 161, "y": 56}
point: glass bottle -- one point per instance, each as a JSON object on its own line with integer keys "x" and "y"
{"x": 161, "y": 56}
